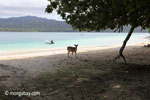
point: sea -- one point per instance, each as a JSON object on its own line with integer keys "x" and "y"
{"x": 37, "y": 40}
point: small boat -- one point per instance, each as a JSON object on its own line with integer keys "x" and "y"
{"x": 49, "y": 42}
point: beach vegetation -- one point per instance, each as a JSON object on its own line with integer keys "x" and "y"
{"x": 96, "y": 15}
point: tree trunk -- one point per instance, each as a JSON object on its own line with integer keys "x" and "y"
{"x": 124, "y": 45}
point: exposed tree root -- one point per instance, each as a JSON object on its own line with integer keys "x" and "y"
{"x": 123, "y": 57}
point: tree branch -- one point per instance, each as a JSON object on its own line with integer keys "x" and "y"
{"x": 124, "y": 45}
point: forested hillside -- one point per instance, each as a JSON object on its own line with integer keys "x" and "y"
{"x": 37, "y": 24}
{"x": 30, "y": 23}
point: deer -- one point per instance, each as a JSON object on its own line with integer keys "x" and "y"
{"x": 73, "y": 50}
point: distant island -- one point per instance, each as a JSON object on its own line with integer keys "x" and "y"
{"x": 37, "y": 24}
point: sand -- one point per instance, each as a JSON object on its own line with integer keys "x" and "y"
{"x": 18, "y": 66}
{"x": 44, "y": 59}
{"x": 35, "y": 61}
{"x": 24, "y": 54}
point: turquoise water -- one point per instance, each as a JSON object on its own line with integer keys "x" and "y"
{"x": 36, "y": 40}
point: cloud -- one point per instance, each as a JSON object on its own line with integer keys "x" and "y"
{"x": 15, "y": 8}
{"x": 26, "y": 3}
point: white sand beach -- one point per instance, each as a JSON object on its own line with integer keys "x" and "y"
{"x": 22, "y": 54}
{"x": 35, "y": 61}
{"x": 19, "y": 66}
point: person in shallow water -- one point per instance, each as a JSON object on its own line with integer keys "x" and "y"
{"x": 52, "y": 42}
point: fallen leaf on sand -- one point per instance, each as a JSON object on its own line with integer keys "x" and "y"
{"x": 78, "y": 80}
{"x": 104, "y": 96}
{"x": 116, "y": 86}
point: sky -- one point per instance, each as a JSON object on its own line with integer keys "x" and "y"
{"x": 16, "y": 8}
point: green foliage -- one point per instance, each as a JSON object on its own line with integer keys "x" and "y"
{"x": 89, "y": 15}
{"x": 149, "y": 30}
{"x": 36, "y": 24}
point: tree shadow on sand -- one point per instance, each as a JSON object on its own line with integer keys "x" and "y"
{"x": 94, "y": 80}
{"x": 121, "y": 82}
{"x": 135, "y": 79}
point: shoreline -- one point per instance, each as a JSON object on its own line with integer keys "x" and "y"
{"x": 23, "y": 54}
{"x": 36, "y": 70}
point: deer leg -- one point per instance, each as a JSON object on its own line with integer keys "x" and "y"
{"x": 68, "y": 54}
{"x": 76, "y": 54}
{"x": 72, "y": 55}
